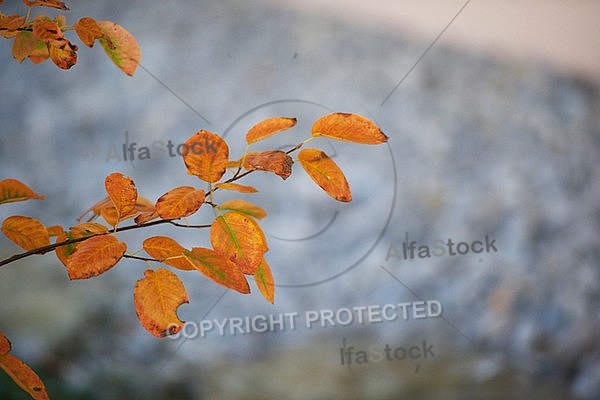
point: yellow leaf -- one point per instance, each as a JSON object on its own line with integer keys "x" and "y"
{"x": 264, "y": 281}
{"x": 120, "y": 46}
{"x": 239, "y": 238}
{"x": 207, "y": 156}
{"x": 167, "y": 251}
{"x": 88, "y": 30}
{"x": 243, "y": 207}
{"x": 218, "y": 268}
{"x": 13, "y": 190}
{"x": 157, "y": 297}
{"x": 275, "y": 161}
{"x": 269, "y": 127}
{"x": 122, "y": 192}
{"x": 95, "y": 256}
{"x": 349, "y": 127}
{"x": 325, "y": 172}
{"x": 236, "y": 187}
{"x": 180, "y": 202}
{"x": 26, "y": 232}
{"x": 4, "y": 344}
{"x": 24, "y": 377}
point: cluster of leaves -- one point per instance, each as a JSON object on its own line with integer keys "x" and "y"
{"x": 42, "y": 37}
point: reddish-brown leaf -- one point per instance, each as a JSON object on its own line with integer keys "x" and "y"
{"x": 264, "y": 281}
{"x": 88, "y": 31}
{"x": 122, "y": 192}
{"x": 23, "y": 376}
{"x": 275, "y": 161}
{"x": 46, "y": 3}
{"x": 325, "y": 173}
{"x": 218, "y": 268}
{"x": 12, "y": 190}
{"x": 243, "y": 207}
{"x": 180, "y": 202}
{"x": 240, "y": 239}
{"x": 95, "y": 256}
{"x": 47, "y": 31}
{"x": 167, "y": 251}
{"x": 236, "y": 187}
{"x": 9, "y": 24}
{"x": 269, "y": 127}
{"x": 26, "y": 232}
{"x": 120, "y": 46}
{"x": 4, "y": 344}
{"x": 207, "y": 156}
{"x": 349, "y": 127}
{"x": 157, "y": 297}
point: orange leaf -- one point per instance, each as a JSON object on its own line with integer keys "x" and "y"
{"x": 218, "y": 268}
{"x": 349, "y": 127}
{"x": 64, "y": 252}
{"x": 111, "y": 216}
{"x": 26, "y": 232}
{"x": 4, "y": 344}
{"x": 88, "y": 30}
{"x": 146, "y": 217}
{"x": 24, "y": 45}
{"x": 180, "y": 202}
{"x": 88, "y": 229}
{"x": 167, "y": 251}
{"x": 120, "y": 46}
{"x": 239, "y": 238}
{"x": 236, "y": 187}
{"x": 142, "y": 205}
{"x": 264, "y": 281}
{"x": 157, "y": 297}
{"x": 325, "y": 172}
{"x": 95, "y": 256}
{"x": 13, "y": 190}
{"x": 40, "y": 54}
{"x": 63, "y": 53}
{"x": 122, "y": 192}
{"x": 207, "y": 156}
{"x": 24, "y": 376}
{"x": 275, "y": 161}
{"x": 55, "y": 230}
{"x": 269, "y": 127}
{"x": 46, "y": 3}
{"x": 244, "y": 207}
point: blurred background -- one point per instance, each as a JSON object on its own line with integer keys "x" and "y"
{"x": 496, "y": 131}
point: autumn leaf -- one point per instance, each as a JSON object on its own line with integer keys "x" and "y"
{"x": 348, "y": 127}
{"x": 275, "y": 161}
{"x": 120, "y": 46}
{"x": 236, "y": 187}
{"x": 64, "y": 252}
{"x": 122, "y": 192}
{"x": 12, "y": 190}
{"x": 218, "y": 268}
{"x": 46, "y": 30}
{"x": 111, "y": 216}
{"x": 146, "y": 217}
{"x": 157, "y": 297}
{"x": 4, "y": 344}
{"x": 240, "y": 239}
{"x": 23, "y": 376}
{"x": 63, "y": 53}
{"x": 264, "y": 281}
{"x": 88, "y": 31}
{"x": 207, "y": 156}
{"x": 244, "y": 207}
{"x": 46, "y": 3}
{"x": 40, "y": 53}
{"x": 269, "y": 127}
{"x": 95, "y": 256}
{"x": 25, "y": 44}
{"x": 167, "y": 251}
{"x": 88, "y": 229}
{"x": 325, "y": 173}
{"x": 9, "y": 24}
{"x": 26, "y": 232}
{"x": 180, "y": 202}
